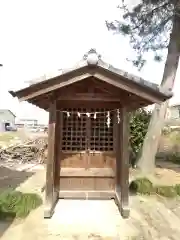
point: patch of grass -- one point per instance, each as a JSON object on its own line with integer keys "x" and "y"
{"x": 141, "y": 185}
{"x": 166, "y": 191}
{"x": 7, "y": 136}
{"x": 175, "y": 136}
{"x": 174, "y": 157}
{"x": 17, "y": 204}
{"x": 145, "y": 186}
{"x": 177, "y": 187}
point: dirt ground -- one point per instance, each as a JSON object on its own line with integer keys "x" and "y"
{"x": 150, "y": 218}
{"x": 166, "y": 173}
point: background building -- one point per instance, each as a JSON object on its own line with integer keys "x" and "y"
{"x": 173, "y": 115}
{"x": 27, "y": 122}
{"x": 7, "y": 118}
{"x": 174, "y": 111}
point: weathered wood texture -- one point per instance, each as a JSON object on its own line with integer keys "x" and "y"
{"x": 89, "y": 169}
{"x": 124, "y": 163}
{"x": 51, "y": 190}
{"x": 89, "y": 92}
{"x": 93, "y": 179}
{"x": 117, "y": 136}
{"x": 96, "y": 195}
{"x": 58, "y": 138}
{"x": 88, "y": 160}
{"x": 81, "y": 172}
{"x": 87, "y": 183}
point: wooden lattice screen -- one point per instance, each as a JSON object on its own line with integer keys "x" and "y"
{"x": 101, "y": 138}
{"x": 82, "y": 133}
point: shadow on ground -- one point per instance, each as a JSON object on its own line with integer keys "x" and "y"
{"x": 4, "y": 225}
{"x": 10, "y": 179}
{"x": 168, "y": 165}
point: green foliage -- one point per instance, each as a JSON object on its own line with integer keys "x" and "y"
{"x": 141, "y": 185}
{"x": 139, "y": 122}
{"x": 145, "y": 186}
{"x": 177, "y": 188}
{"x": 166, "y": 191}
{"x": 173, "y": 157}
{"x": 148, "y": 26}
{"x": 17, "y": 204}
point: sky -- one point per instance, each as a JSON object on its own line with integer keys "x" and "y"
{"x": 42, "y": 36}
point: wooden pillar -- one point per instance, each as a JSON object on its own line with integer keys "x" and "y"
{"x": 58, "y": 148}
{"x": 122, "y": 163}
{"x": 117, "y": 154}
{"x": 50, "y": 191}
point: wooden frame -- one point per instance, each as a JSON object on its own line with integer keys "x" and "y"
{"x": 52, "y": 169}
{"x": 122, "y": 164}
{"x": 80, "y": 131}
{"x": 53, "y": 192}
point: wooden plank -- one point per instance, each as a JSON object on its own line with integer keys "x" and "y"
{"x": 50, "y": 194}
{"x": 85, "y": 97}
{"x": 58, "y": 140}
{"x": 118, "y": 162}
{"x": 85, "y": 104}
{"x": 78, "y": 160}
{"x": 99, "y": 195}
{"x": 120, "y": 83}
{"x": 54, "y": 87}
{"x": 91, "y": 172}
{"x": 124, "y": 162}
{"x": 88, "y": 136}
{"x": 86, "y": 183}
{"x": 131, "y": 102}
{"x": 118, "y": 154}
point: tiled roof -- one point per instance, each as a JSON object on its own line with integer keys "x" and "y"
{"x": 93, "y": 58}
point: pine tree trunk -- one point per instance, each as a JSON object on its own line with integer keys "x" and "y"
{"x": 146, "y": 162}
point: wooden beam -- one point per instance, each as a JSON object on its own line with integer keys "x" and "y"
{"x": 81, "y": 97}
{"x": 57, "y": 151}
{"x": 50, "y": 193}
{"x": 85, "y": 104}
{"x": 94, "y": 195}
{"x": 119, "y": 83}
{"x": 54, "y": 87}
{"x": 124, "y": 161}
{"x": 122, "y": 164}
{"x": 87, "y": 98}
{"x": 132, "y": 103}
{"x": 108, "y": 88}
{"x": 118, "y": 162}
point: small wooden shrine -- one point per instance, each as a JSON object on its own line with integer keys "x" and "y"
{"x": 88, "y": 131}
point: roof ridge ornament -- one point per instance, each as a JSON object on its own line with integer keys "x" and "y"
{"x": 92, "y": 57}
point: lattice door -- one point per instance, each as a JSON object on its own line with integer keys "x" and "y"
{"x": 87, "y": 133}
{"x": 74, "y": 131}
{"x": 101, "y": 136}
